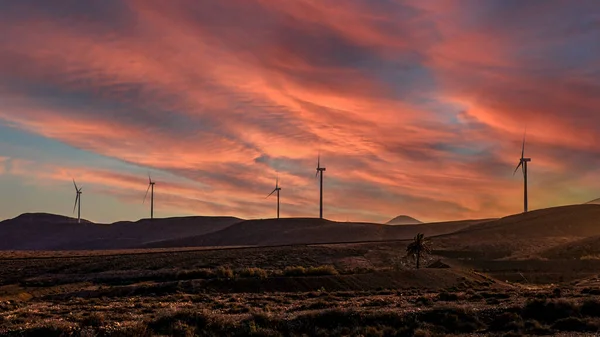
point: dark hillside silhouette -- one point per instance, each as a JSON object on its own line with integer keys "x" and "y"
{"x": 40, "y": 231}
{"x": 308, "y": 230}
{"x": 403, "y": 220}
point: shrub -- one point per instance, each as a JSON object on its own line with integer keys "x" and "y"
{"x": 423, "y": 300}
{"x": 485, "y": 294}
{"x": 262, "y": 319}
{"x": 182, "y": 323}
{"x": 369, "y": 331}
{"x": 376, "y": 303}
{"x": 421, "y": 333}
{"x": 253, "y": 272}
{"x": 591, "y": 308}
{"x": 321, "y": 270}
{"x": 557, "y": 292}
{"x": 327, "y": 319}
{"x": 358, "y": 270}
{"x": 264, "y": 332}
{"x": 447, "y": 297}
{"x": 453, "y": 320}
{"x": 310, "y": 271}
{"x": 506, "y": 321}
{"x": 591, "y": 291}
{"x": 224, "y": 272}
{"x": 512, "y": 334}
{"x": 93, "y": 320}
{"x": 319, "y": 305}
{"x": 48, "y": 331}
{"x": 389, "y": 332}
{"x": 549, "y": 311}
{"x": 492, "y": 301}
{"x": 571, "y": 324}
{"x": 475, "y": 297}
{"x": 534, "y": 327}
{"x": 202, "y": 273}
{"x": 294, "y": 271}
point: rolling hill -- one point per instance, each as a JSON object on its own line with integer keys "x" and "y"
{"x": 584, "y": 248}
{"x": 527, "y": 233}
{"x": 307, "y": 230}
{"x": 403, "y": 220}
{"x": 41, "y": 231}
{"x": 515, "y": 236}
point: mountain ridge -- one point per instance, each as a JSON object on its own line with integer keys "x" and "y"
{"x": 403, "y": 220}
{"x": 44, "y": 231}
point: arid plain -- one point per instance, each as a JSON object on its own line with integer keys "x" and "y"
{"x": 533, "y": 273}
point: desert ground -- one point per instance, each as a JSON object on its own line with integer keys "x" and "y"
{"x": 529, "y": 274}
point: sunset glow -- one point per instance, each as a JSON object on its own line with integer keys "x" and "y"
{"x": 417, "y": 107}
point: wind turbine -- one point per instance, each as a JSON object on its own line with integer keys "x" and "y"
{"x": 77, "y": 202}
{"x": 277, "y": 189}
{"x": 320, "y": 171}
{"x": 523, "y": 165}
{"x": 150, "y": 185}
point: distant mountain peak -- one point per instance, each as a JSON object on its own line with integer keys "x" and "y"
{"x": 403, "y": 220}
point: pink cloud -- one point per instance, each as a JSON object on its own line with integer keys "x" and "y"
{"x": 206, "y": 91}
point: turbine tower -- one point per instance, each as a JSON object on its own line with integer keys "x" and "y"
{"x": 523, "y": 165}
{"x": 150, "y": 186}
{"x": 77, "y": 201}
{"x": 320, "y": 171}
{"x": 277, "y": 189}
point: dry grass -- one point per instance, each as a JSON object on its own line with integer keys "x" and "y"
{"x": 287, "y": 291}
{"x": 326, "y": 314}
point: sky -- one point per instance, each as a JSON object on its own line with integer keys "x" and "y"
{"x": 416, "y": 107}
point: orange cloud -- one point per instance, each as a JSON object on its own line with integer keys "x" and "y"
{"x": 417, "y": 107}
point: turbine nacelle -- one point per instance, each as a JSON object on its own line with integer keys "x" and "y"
{"x": 276, "y": 189}
{"x": 150, "y": 185}
{"x": 78, "y": 192}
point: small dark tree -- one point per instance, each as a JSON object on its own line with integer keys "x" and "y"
{"x": 418, "y": 248}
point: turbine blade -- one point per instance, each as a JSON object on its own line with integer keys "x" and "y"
{"x": 74, "y": 184}
{"x": 523, "y": 148}
{"x": 520, "y": 164}
{"x": 271, "y": 193}
{"x": 146, "y": 194}
{"x": 75, "y": 206}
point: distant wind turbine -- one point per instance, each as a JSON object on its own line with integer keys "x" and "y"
{"x": 150, "y": 186}
{"x": 277, "y": 189}
{"x": 320, "y": 171}
{"x": 77, "y": 201}
{"x": 523, "y": 165}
